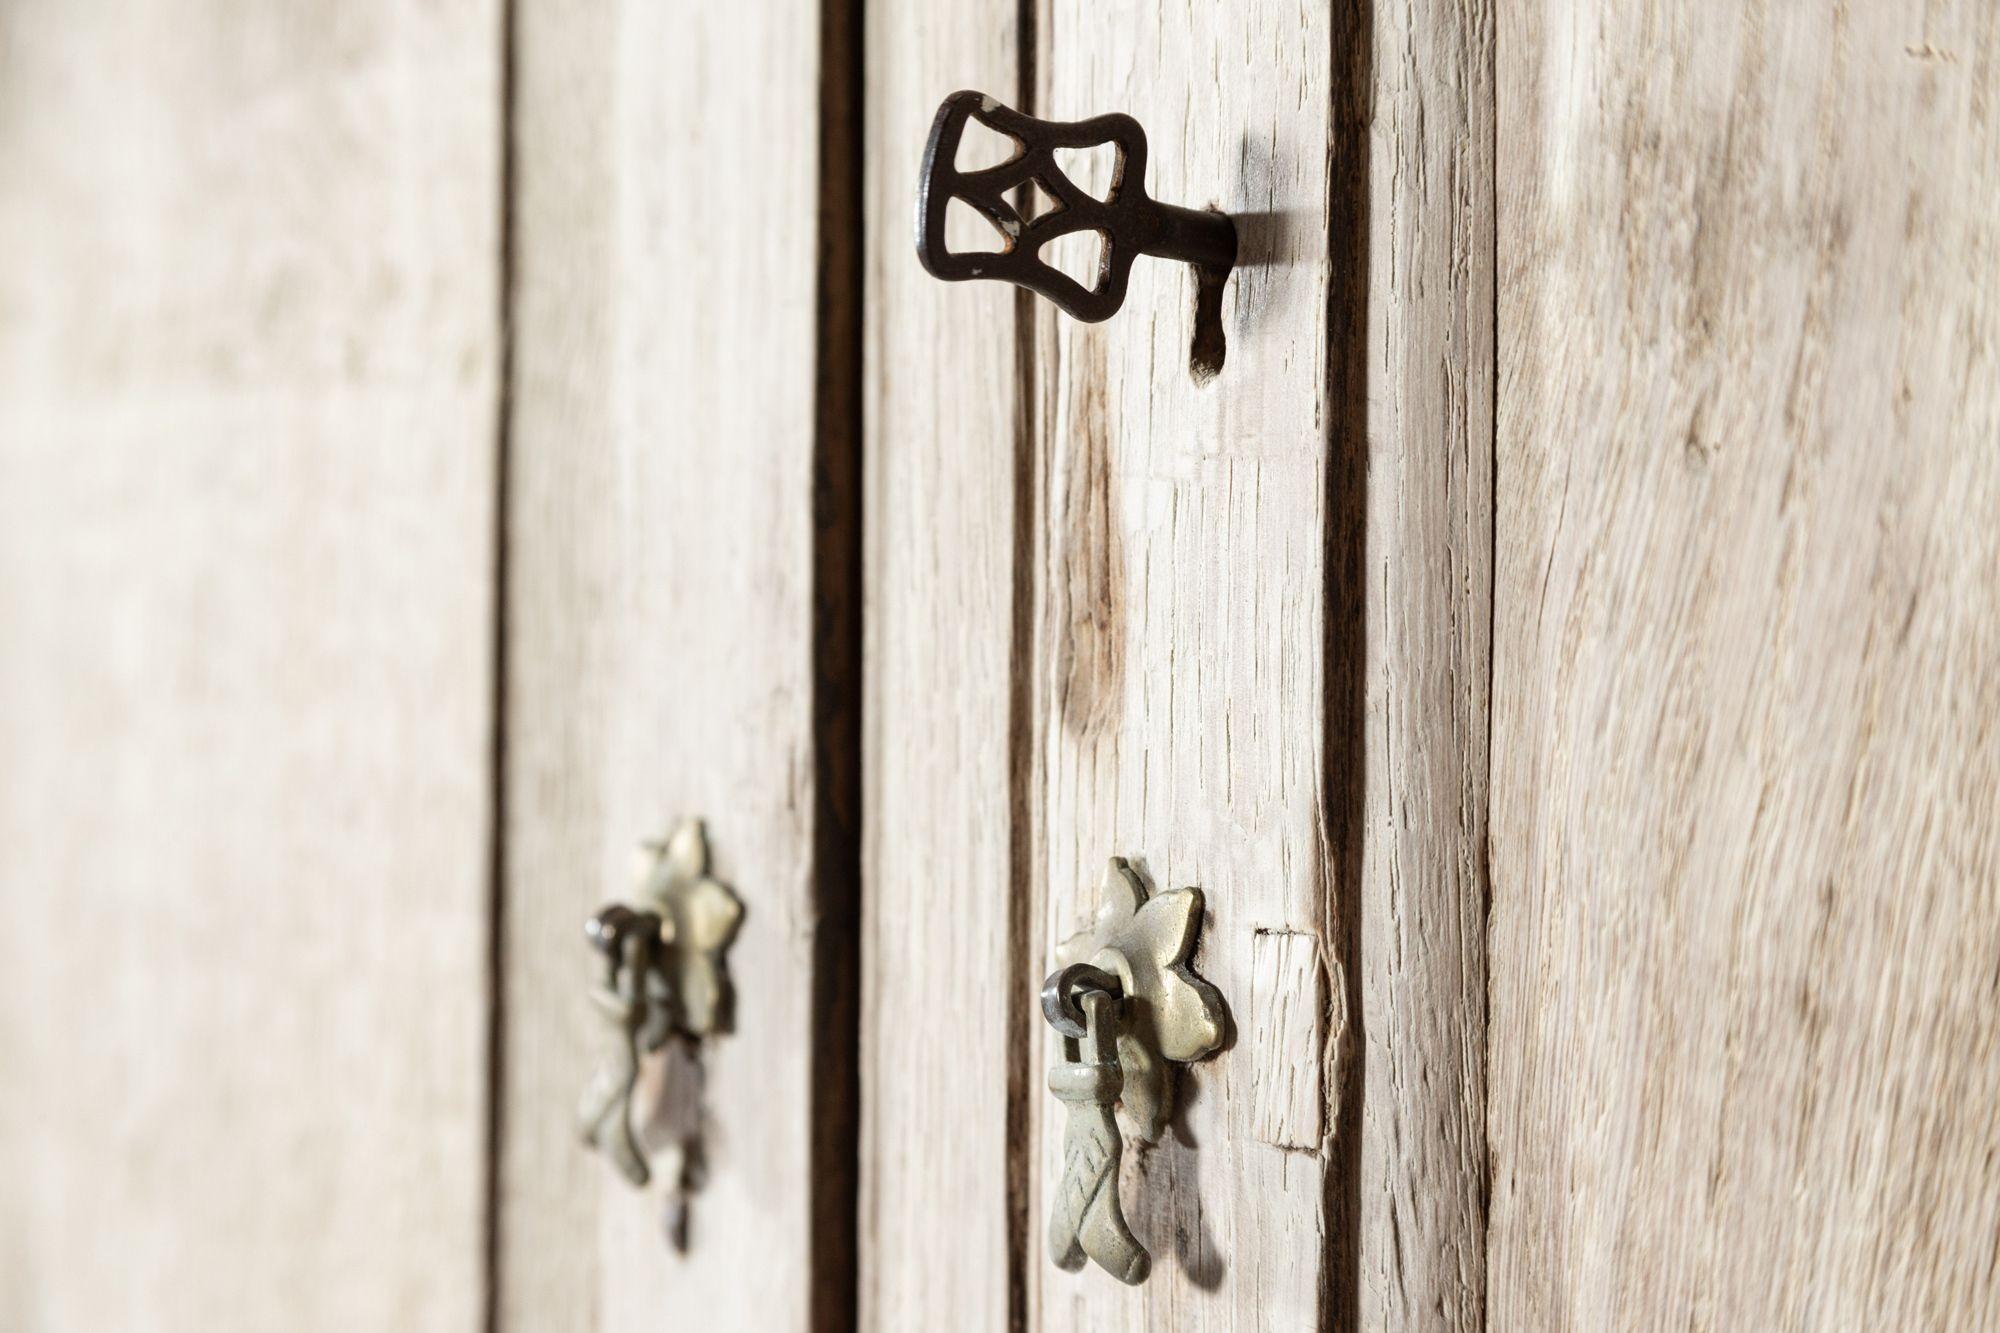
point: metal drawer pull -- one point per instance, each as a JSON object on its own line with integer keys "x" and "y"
{"x": 1128, "y": 221}
{"x": 1127, "y": 1005}
{"x": 663, "y": 979}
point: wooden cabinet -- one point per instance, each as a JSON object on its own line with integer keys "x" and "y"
{"x": 1117, "y": 611}
{"x": 442, "y": 446}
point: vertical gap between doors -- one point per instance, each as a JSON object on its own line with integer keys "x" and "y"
{"x": 1345, "y": 656}
{"x": 496, "y": 749}
{"x": 1021, "y": 932}
{"x": 1492, "y": 110}
{"x": 834, "y": 1079}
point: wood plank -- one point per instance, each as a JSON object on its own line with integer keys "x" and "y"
{"x": 1746, "y": 1044}
{"x": 943, "y": 1009}
{"x": 1265, "y": 648}
{"x": 663, "y": 577}
{"x": 248, "y": 387}
{"x": 1425, "y": 578}
{"x": 1182, "y": 711}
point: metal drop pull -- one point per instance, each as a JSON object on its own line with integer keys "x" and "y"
{"x": 1128, "y": 221}
{"x": 1087, "y": 1217}
{"x": 663, "y": 980}
{"x": 1127, "y": 1005}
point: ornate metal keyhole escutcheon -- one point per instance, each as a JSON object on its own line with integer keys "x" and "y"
{"x": 1128, "y": 1006}
{"x": 662, "y": 981}
{"x": 1128, "y": 222}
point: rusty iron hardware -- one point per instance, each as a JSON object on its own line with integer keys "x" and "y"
{"x": 663, "y": 980}
{"x": 1127, "y": 1005}
{"x": 1130, "y": 222}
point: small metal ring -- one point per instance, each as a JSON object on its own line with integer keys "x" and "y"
{"x": 1059, "y": 995}
{"x": 608, "y": 928}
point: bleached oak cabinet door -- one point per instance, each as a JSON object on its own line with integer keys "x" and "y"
{"x": 941, "y": 1213}
{"x": 1745, "y": 1048}
{"x": 1233, "y": 628}
{"x": 679, "y": 571}
{"x": 249, "y": 351}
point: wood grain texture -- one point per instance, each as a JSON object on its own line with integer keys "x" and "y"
{"x": 1425, "y": 579}
{"x": 1746, "y": 1018}
{"x": 943, "y": 1000}
{"x": 660, "y": 624}
{"x": 248, "y": 356}
{"x": 1181, "y": 712}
